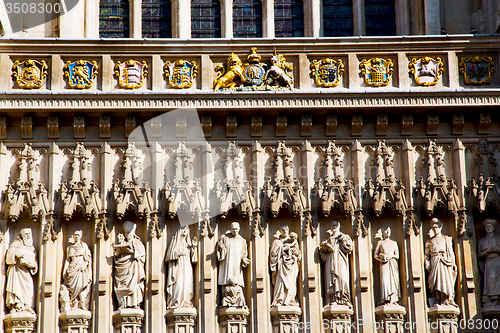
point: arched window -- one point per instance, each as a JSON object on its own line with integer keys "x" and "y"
{"x": 288, "y": 18}
{"x": 205, "y": 19}
{"x": 114, "y": 18}
{"x": 247, "y": 18}
{"x": 337, "y": 18}
{"x": 380, "y": 18}
{"x": 156, "y": 19}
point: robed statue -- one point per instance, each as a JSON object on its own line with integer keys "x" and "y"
{"x": 489, "y": 255}
{"x": 387, "y": 252}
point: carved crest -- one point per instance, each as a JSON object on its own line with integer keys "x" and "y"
{"x": 377, "y": 71}
{"x": 476, "y": 70}
{"x": 131, "y": 74}
{"x": 327, "y": 72}
{"x": 181, "y": 73}
{"x": 81, "y": 73}
{"x": 426, "y": 70}
{"x": 29, "y": 74}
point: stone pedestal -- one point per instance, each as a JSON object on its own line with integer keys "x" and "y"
{"x": 128, "y": 320}
{"x": 443, "y": 318}
{"x": 339, "y": 318}
{"x": 75, "y": 321}
{"x": 233, "y": 320}
{"x": 390, "y": 318}
{"x": 20, "y": 322}
{"x": 181, "y": 320}
{"x": 285, "y": 319}
{"x": 491, "y": 319}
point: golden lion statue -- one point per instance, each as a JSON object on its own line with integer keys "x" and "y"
{"x": 234, "y": 72}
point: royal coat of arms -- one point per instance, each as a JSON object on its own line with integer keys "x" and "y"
{"x": 131, "y": 73}
{"x": 327, "y": 72}
{"x": 181, "y": 73}
{"x": 29, "y": 74}
{"x": 426, "y": 70}
{"x": 476, "y": 70}
{"x": 81, "y": 73}
{"x": 254, "y": 71}
{"x": 377, "y": 71}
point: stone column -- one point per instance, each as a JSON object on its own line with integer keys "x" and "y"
{"x": 128, "y": 320}
{"x": 339, "y": 318}
{"x": 390, "y": 318}
{"x": 443, "y": 318}
{"x": 226, "y": 19}
{"x": 75, "y": 321}
{"x": 233, "y": 320}
{"x": 285, "y": 319}
{"x": 181, "y": 320}
{"x": 268, "y": 18}
{"x": 20, "y": 322}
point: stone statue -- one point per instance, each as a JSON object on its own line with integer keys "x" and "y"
{"x": 130, "y": 275}
{"x": 335, "y": 251}
{"x": 440, "y": 262}
{"x": 233, "y": 256}
{"x": 284, "y": 259}
{"x": 181, "y": 253}
{"x": 489, "y": 252}
{"x": 21, "y": 259}
{"x": 77, "y": 275}
{"x": 387, "y": 253}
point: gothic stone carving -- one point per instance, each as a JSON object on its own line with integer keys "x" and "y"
{"x": 130, "y": 125}
{"x": 458, "y": 123}
{"x": 484, "y": 123}
{"x": 407, "y": 124}
{"x": 382, "y": 123}
{"x": 387, "y": 253}
{"x": 79, "y": 127}
{"x": 256, "y": 126}
{"x": 477, "y": 69}
{"x": 356, "y": 125}
{"x": 432, "y": 124}
{"x": 231, "y": 126}
{"x": 206, "y": 125}
{"x": 27, "y": 128}
{"x": 30, "y": 73}
{"x": 53, "y": 127}
{"x": 331, "y": 125}
{"x": 105, "y": 127}
{"x": 489, "y": 256}
{"x": 281, "y": 125}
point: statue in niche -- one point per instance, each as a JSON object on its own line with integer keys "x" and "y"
{"x": 489, "y": 253}
{"x": 335, "y": 251}
{"x": 284, "y": 259}
{"x": 232, "y": 254}
{"x": 181, "y": 253}
{"x": 22, "y": 262}
{"x": 387, "y": 253}
{"x": 130, "y": 255}
{"x": 77, "y": 275}
{"x": 440, "y": 262}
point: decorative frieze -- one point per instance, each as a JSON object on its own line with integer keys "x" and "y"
{"x": 484, "y": 123}
{"x": 281, "y": 126}
{"x": 356, "y": 125}
{"x": 231, "y": 126}
{"x": 79, "y": 127}
{"x": 306, "y": 125}
{"x": 432, "y": 124}
{"x": 256, "y": 126}
{"x": 27, "y": 128}
{"x": 105, "y": 127}
{"x": 53, "y": 128}
{"x": 30, "y": 73}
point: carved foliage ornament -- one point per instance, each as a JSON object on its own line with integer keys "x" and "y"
{"x": 181, "y": 73}
{"x": 377, "y": 71}
{"x": 131, "y": 73}
{"x": 81, "y": 73}
{"x": 426, "y": 70}
{"x": 476, "y": 70}
{"x": 29, "y": 74}
{"x": 327, "y": 72}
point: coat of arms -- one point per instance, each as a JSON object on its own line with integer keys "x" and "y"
{"x": 327, "y": 72}
{"x": 476, "y": 70}
{"x": 181, "y": 73}
{"x": 254, "y": 72}
{"x": 29, "y": 74}
{"x": 80, "y": 73}
{"x": 377, "y": 71}
{"x": 426, "y": 70}
{"x": 131, "y": 73}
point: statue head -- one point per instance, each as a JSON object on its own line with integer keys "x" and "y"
{"x": 27, "y": 236}
{"x": 335, "y": 225}
{"x": 77, "y": 236}
{"x": 436, "y": 226}
{"x": 386, "y": 232}
{"x": 235, "y": 228}
{"x": 185, "y": 231}
{"x": 284, "y": 230}
{"x": 490, "y": 225}
{"x": 129, "y": 228}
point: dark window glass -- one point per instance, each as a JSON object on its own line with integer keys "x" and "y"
{"x": 380, "y": 18}
{"x": 247, "y": 18}
{"x": 337, "y": 18}
{"x": 156, "y": 19}
{"x": 114, "y": 18}
{"x": 288, "y": 18}
{"x": 205, "y": 19}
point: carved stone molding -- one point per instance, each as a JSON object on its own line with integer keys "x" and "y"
{"x": 356, "y": 125}
{"x": 105, "y": 127}
{"x": 79, "y": 127}
{"x": 281, "y": 126}
{"x": 75, "y": 321}
{"x": 407, "y": 124}
{"x": 20, "y": 322}
{"x": 206, "y": 125}
{"x": 432, "y": 124}
{"x": 382, "y": 123}
{"x": 130, "y": 125}
{"x": 181, "y": 320}
{"x": 3, "y": 128}
{"x": 156, "y": 127}
{"x": 27, "y": 128}
{"x": 338, "y": 317}
{"x": 233, "y": 320}
{"x": 53, "y": 127}
{"x": 458, "y": 123}
{"x": 128, "y": 320}
{"x": 231, "y": 126}
{"x": 391, "y": 317}
{"x": 181, "y": 126}
{"x": 256, "y": 126}
{"x": 484, "y": 123}
{"x": 331, "y": 125}
{"x": 306, "y": 125}
{"x": 443, "y": 319}
{"x": 285, "y": 318}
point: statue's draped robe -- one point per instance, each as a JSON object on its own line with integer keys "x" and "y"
{"x": 443, "y": 269}
{"x": 285, "y": 269}
{"x": 77, "y": 270}
{"x": 389, "y": 271}
{"x": 19, "y": 288}
{"x": 491, "y": 266}
{"x": 337, "y": 268}
{"x": 231, "y": 251}
{"x": 130, "y": 274}
{"x": 180, "y": 274}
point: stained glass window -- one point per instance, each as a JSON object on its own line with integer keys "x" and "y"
{"x": 156, "y": 19}
{"x": 114, "y": 18}
{"x": 247, "y": 18}
{"x": 205, "y": 19}
{"x": 288, "y": 18}
{"x": 337, "y": 18}
{"x": 380, "y": 18}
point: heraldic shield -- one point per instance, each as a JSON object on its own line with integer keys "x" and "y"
{"x": 131, "y": 73}
{"x": 30, "y": 74}
{"x": 377, "y": 71}
{"x": 81, "y": 73}
{"x": 327, "y": 72}
{"x": 181, "y": 73}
